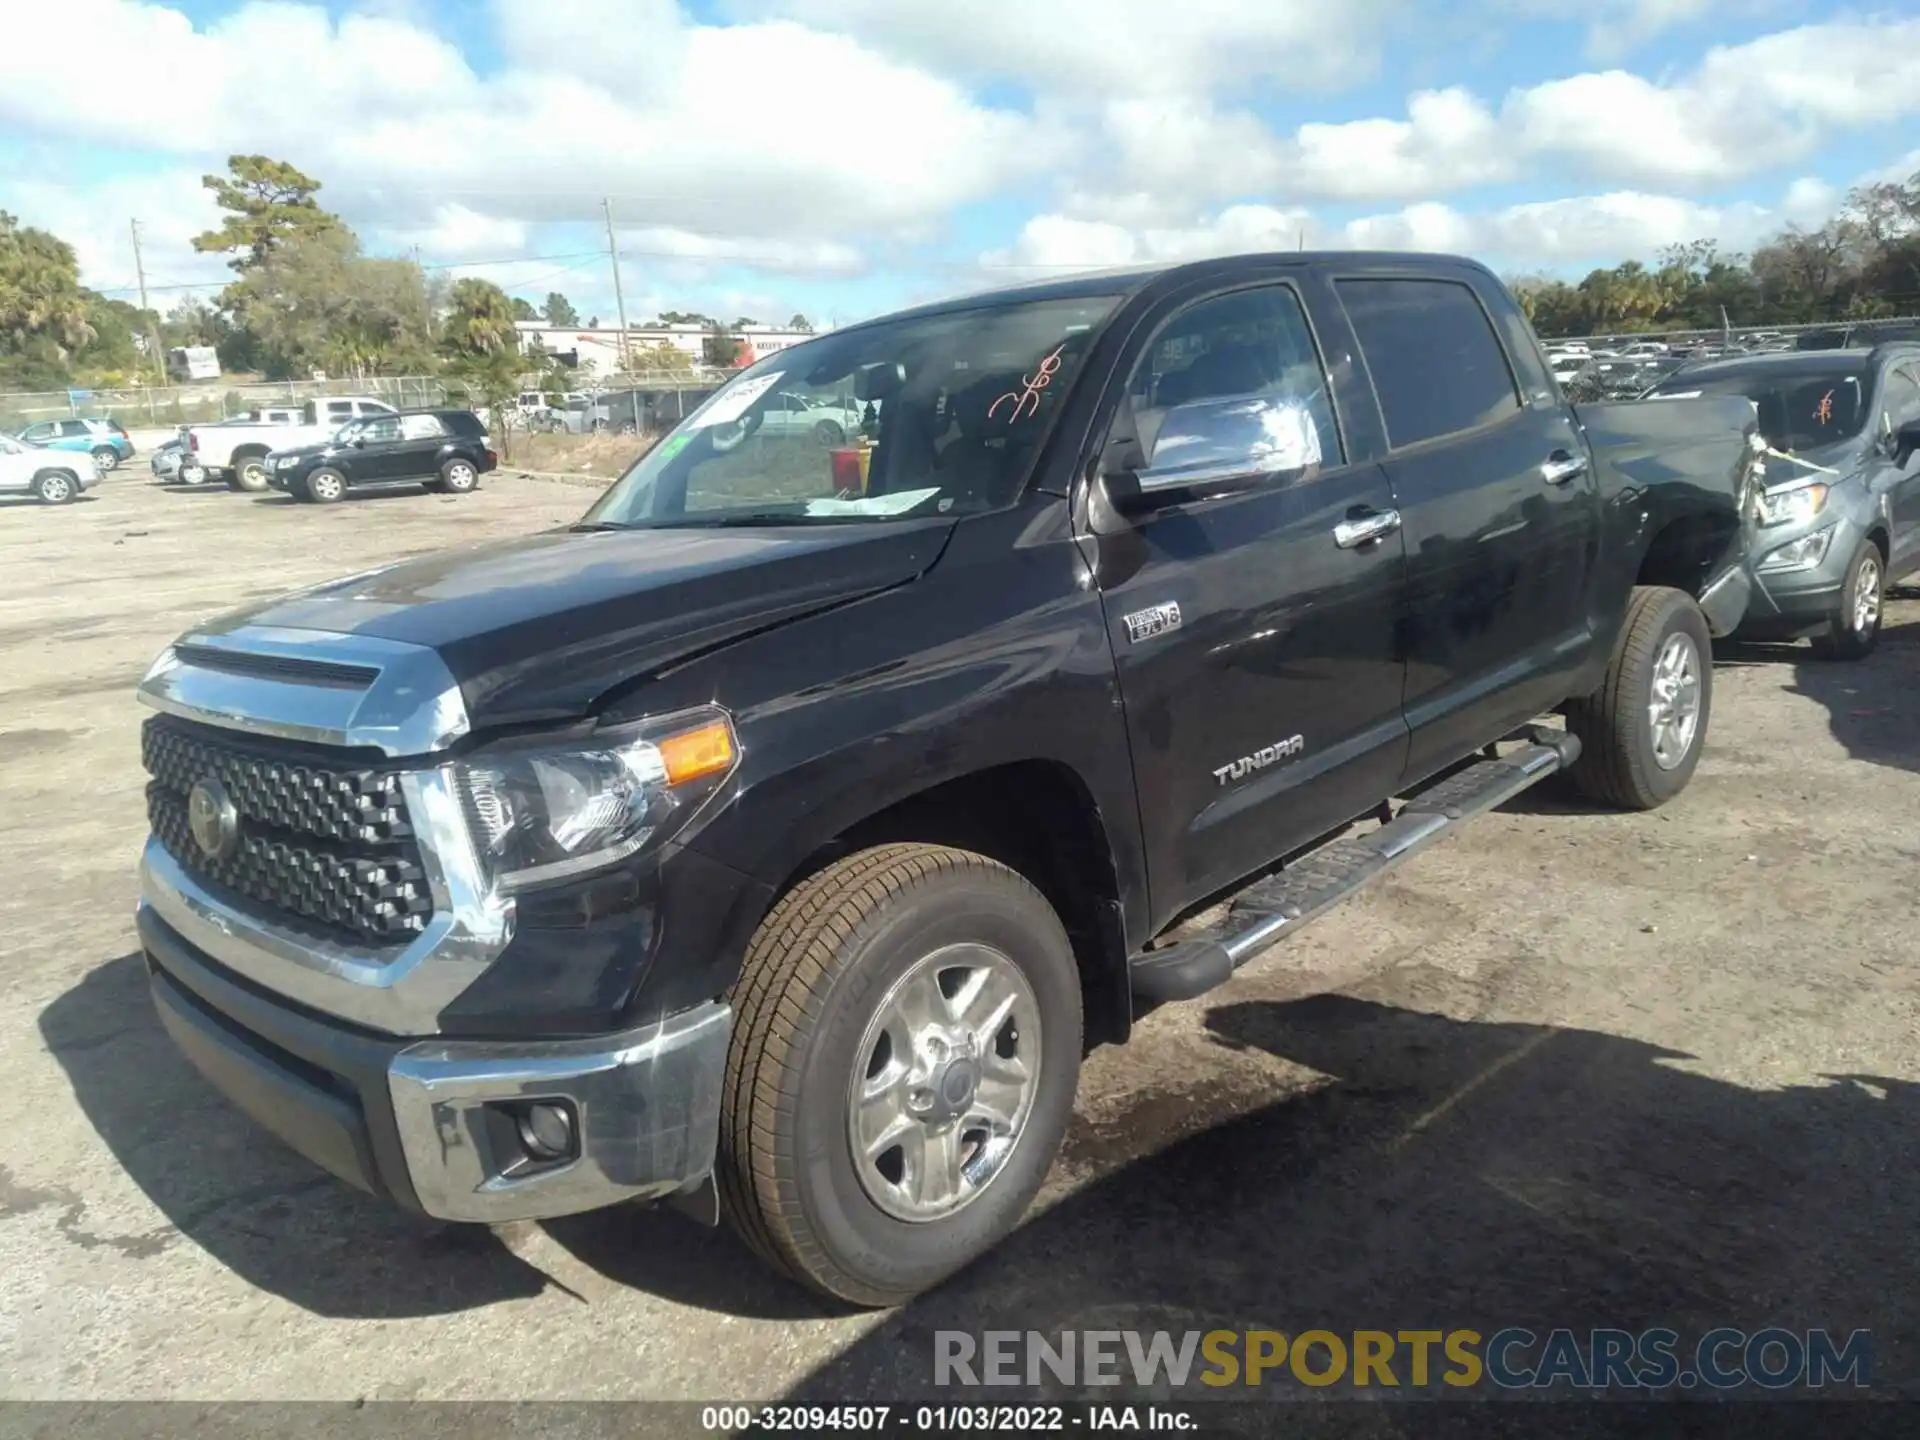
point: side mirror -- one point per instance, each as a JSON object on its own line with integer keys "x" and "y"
{"x": 1905, "y": 441}
{"x": 1220, "y": 445}
{"x": 359, "y": 444}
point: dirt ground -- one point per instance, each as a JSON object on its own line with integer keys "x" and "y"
{"x": 1569, "y": 1069}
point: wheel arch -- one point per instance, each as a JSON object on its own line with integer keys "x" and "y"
{"x": 1038, "y": 817}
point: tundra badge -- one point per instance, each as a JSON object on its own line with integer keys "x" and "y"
{"x": 1145, "y": 624}
{"x": 1290, "y": 748}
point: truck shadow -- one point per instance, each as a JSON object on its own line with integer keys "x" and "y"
{"x": 228, "y": 1187}
{"x": 1427, "y": 1172}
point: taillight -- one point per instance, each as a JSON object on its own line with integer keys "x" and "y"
{"x": 193, "y": 442}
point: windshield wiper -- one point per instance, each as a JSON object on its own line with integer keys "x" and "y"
{"x": 721, "y": 520}
{"x": 589, "y": 527}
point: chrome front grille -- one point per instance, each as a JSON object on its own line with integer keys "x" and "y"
{"x": 323, "y": 844}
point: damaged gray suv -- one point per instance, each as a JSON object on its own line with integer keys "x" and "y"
{"x": 1840, "y": 517}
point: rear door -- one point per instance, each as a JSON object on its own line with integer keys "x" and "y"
{"x": 1497, "y": 494}
{"x": 1253, "y": 631}
{"x": 418, "y": 452}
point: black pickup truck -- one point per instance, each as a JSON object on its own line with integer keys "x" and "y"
{"x": 777, "y": 839}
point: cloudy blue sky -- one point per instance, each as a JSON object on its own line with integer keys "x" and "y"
{"x": 842, "y": 156}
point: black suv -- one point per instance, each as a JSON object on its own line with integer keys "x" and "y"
{"x": 776, "y": 838}
{"x": 440, "y": 449}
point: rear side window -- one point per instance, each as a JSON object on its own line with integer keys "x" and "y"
{"x": 1436, "y": 362}
{"x": 464, "y": 422}
{"x": 420, "y": 427}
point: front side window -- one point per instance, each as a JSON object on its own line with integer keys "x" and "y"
{"x": 35, "y": 433}
{"x": 380, "y": 428}
{"x": 1231, "y": 384}
{"x": 1437, "y": 365}
{"x": 939, "y": 414}
{"x": 1900, "y": 402}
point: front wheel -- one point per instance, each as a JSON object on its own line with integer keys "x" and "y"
{"x": 1642, "y": 731}
{"x": 905, "y": 1052}
{"x": 325, "y": 486}
{"x": 56, "y": 487}
{"x": 251, "y": 474}
{"x": 1855, "y": 627}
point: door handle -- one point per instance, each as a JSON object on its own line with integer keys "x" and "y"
{"x": 1365, "y": 529}
{"x": 1560, "y": 467}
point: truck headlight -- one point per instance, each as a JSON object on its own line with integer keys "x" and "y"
{"x": 1802, "y": 554}
{"x": 544, "y": 814}
{"x": 1794, "y": 506}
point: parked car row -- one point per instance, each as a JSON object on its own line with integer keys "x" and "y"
{"x": 103, "y": 440}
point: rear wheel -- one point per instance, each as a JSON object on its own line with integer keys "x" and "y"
{"x": 1642, "y": 731}
{"x": 325, "y": 486}
{"x": 106, "y": 458}
{"x": 458, "y": 476}
{"x": 250, "y": 473}
{"x": 1855, "y": 627}
{"x": 906, "y": 1046}
{"x": 55, "y": 487}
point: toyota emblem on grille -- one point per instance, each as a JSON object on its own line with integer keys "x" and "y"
{"x": 211, "y": 818}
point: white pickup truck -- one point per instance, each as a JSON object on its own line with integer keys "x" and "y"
{"x": 239, "y": 452}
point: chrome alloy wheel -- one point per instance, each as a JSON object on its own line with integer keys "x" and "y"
{"x": 943, "y": 1082}
{"x": 1673, "y": 709}
{"x": 1866, "y": 595}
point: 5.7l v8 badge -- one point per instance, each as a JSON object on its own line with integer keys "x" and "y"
{"x": 1145, "y": 624}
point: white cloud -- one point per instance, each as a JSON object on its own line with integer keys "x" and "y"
{"x": 1096, "y": 49}
{"x": 95, "y": 219}
{"x": 1574, "y": 232}
{"x": 458, "y": 233}
{"x": 408, "y": 138}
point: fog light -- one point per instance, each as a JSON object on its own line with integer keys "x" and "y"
{"x": 546, "y": 1129}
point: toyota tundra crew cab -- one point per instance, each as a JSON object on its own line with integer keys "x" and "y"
{"x": 776, "y": 839}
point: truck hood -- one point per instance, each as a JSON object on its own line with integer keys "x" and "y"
{"x": 539, "y": 627}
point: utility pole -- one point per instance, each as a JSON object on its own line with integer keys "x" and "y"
{"x": 619, "y": 300}
{"x": 153, "y": 335}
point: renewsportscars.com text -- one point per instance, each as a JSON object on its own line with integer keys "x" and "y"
{"x": 1512, "y": 1358}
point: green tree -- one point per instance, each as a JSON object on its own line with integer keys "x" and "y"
{"x": 479, "y": 320}
{"x": 268, "y": 203}
{"x": 317, "y": 303}
{"x": 522, "y": 311}
{"x": 40, "y": 294}
{"x": 800, "y": 322}
{"x": 720, "y": 348}
{"x": 662, "y": 358}
{"x": 560, "y": 312}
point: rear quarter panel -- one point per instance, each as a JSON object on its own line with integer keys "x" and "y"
{"x": 1676, "y": 481}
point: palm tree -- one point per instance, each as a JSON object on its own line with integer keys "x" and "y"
{"x": 479, "y": 320}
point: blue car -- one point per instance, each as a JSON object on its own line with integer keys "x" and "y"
{"x": 103, "y": 439}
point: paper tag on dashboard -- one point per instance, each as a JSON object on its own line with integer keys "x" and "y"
{"x": 732, "y": 403}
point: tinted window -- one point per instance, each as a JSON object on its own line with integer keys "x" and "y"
{"x": 1436, "y": 363}
{"x": 71, "y": 428}
{"x": 464, "y": 422}
{"x": 1232, "y": 379}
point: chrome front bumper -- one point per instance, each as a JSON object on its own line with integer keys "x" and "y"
{"x": 433, "y": 1124}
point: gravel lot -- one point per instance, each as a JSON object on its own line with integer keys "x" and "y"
{"x": 1570, "y": 1069}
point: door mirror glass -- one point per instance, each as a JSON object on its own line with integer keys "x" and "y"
{"x": 1231, "y": 443}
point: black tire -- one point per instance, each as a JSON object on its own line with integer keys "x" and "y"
{"x": 106, "y": 457}
{"x": 1618, "y": 762}
{"x": 325, "y": 486}
{"x": 830, "y": 432}
{"x": 820, "y": 966}
{"x": 56, "y": 487}
{"x": 1854, "y": 628}
{"x": 249, "y": 473}
{"x": 459, "y": 476}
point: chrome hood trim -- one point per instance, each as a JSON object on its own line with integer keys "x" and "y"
{"x": 314, "y": 686}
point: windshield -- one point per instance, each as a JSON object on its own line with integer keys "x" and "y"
{"x": 1797, "y": 409}
{"x": 926, "y": 415}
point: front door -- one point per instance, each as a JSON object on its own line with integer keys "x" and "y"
{"x": 1499, "y": 504}
{"x": 379, "y": 451}
{"x": 1900, "y": 405}
{"x": 1253, "y": 631}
